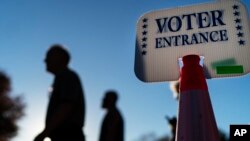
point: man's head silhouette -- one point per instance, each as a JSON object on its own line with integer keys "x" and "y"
{"x": 57, "y": 59}
{"x": 109, "y": 100}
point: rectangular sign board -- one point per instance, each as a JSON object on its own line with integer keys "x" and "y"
{"x": 217, "y": 31}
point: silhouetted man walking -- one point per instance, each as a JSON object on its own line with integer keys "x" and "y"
{"x": 112, "y": 126}
{"x": 66, "y": 110}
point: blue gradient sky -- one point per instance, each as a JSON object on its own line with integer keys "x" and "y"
{"x": 101, "y": 38}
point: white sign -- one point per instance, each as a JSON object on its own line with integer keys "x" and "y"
{"x": 217, "y": 31}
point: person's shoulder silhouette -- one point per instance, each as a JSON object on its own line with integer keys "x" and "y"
{"x": 112, "y": 128}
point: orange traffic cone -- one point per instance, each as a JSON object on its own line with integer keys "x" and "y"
{"x": 196, "y": 121}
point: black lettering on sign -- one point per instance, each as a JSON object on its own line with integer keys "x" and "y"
{"x": 199, "y": 20}
{"x": 195, "y": 38}
{"x": 203, "y": 20}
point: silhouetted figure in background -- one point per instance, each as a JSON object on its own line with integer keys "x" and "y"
{"x": 66, "y": 110}
{"x": 172, "y": 122}
{"x": 11, "y": 109}
{"x": 112, "y": 128}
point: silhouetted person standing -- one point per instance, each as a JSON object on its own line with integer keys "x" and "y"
{"x": 66, "y": 110}
{"x": 112, "y": 128}
{"x": 172, "y": 124}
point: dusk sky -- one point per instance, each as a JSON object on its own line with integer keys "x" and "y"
{"x": 100, "y": 36}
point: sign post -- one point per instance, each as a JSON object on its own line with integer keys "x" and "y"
{"x": 217, "y": 31}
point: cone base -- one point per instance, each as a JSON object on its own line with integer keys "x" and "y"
{"x": 196, "y": 120}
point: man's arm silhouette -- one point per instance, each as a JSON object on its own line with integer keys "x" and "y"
{"x": 113, "y": 128}
{"x": 58, "y": 118}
